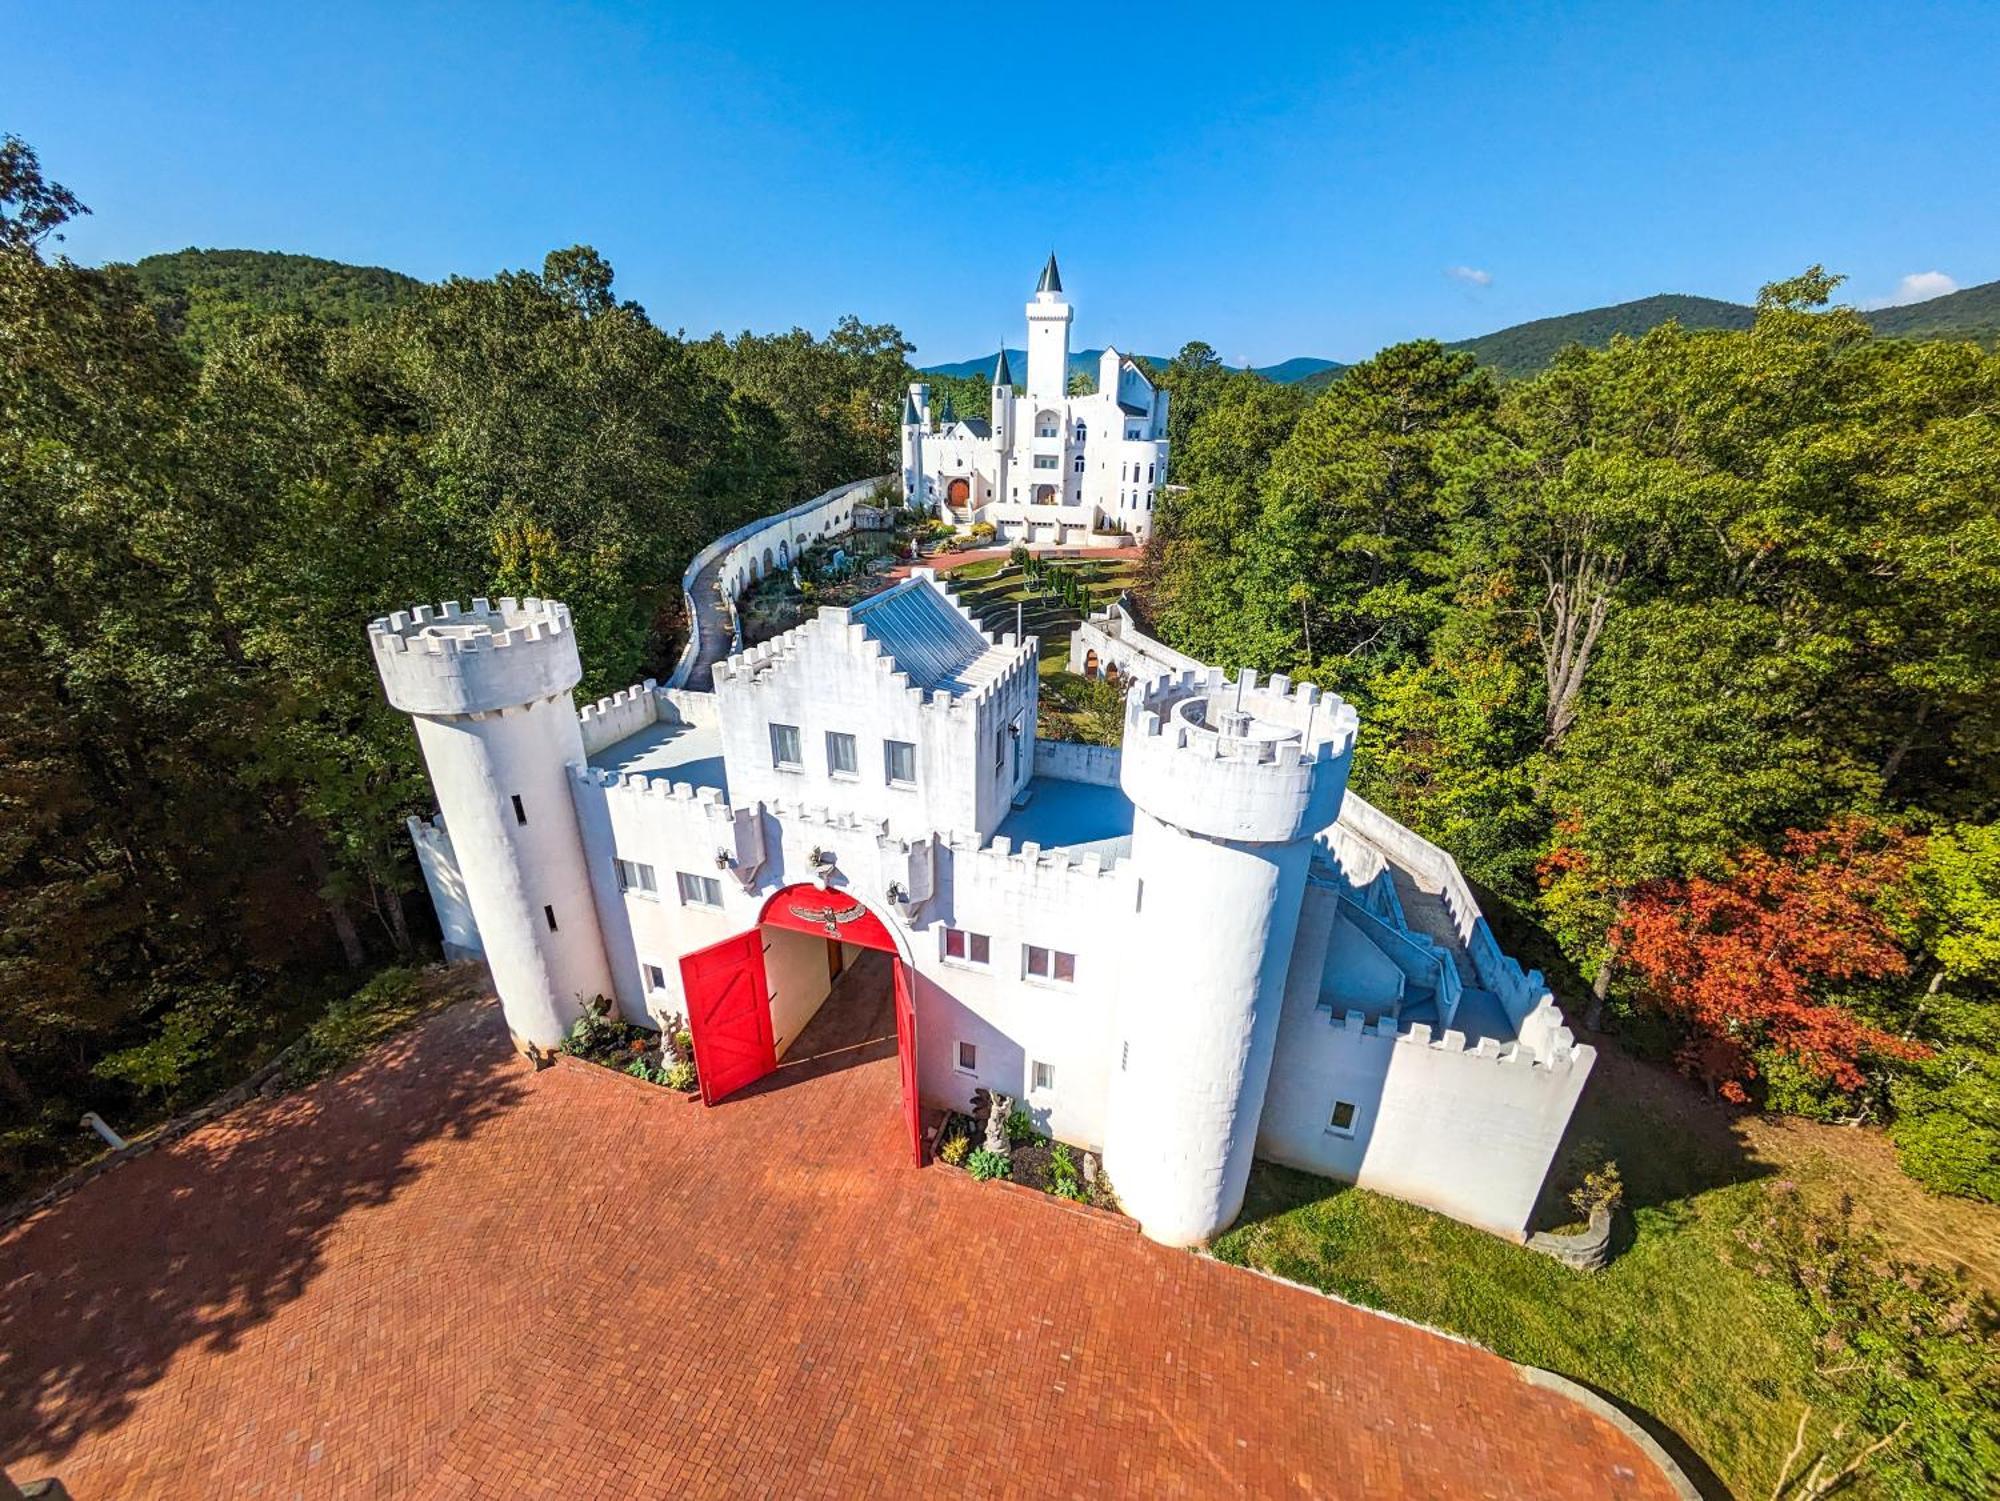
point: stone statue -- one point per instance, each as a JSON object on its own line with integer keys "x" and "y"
{"x": 999, "y": 1107}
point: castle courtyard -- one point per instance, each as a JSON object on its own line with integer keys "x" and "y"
{"x": 443, "y": 1274}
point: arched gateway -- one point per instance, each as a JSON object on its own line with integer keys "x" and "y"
{"x": 729, "y": 995}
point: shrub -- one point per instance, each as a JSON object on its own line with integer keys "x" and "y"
{"x": 954, "y": 1149}
{"x": 1601, "y": 1188}
{"x": 984, "y": 1164}
{"x": 1020, "y": 1128}
{"x": 1019, "y": 557}
{"x": 982, "y": 531}
{"x": 1065, "y": 1179}
{"x": 680, "y": 1075}
{"x": 353, "y": 1023}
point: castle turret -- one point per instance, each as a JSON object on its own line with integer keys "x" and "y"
{"x": 490, "y": 691}
{"x": 1003, "y": 424}
{"x": 1049, "y": 318}
{"x": 1229, "y": 782}
{"x": 913, "y": 443}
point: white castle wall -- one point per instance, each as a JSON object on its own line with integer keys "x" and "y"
{"x": 439, "y": 864}
{"x": 1468, "y": 1132}
{"x": 742, "y": 551}
{"x": 489, "y": 690}
{"x": 1116, "y": 639}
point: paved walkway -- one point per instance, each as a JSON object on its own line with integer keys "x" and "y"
{"x": 442, "y": 1275}
{"x": 717, "y": 633}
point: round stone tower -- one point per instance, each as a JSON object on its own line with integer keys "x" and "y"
{"x": 490, "y": 690}
{"x": 1229, "y": 782}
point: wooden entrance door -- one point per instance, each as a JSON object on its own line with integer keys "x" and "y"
{"x": 729, "y": 1015}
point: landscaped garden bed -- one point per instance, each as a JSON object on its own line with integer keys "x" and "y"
{"x": 1028, "y": 1158}
{"x": 665, "y": 1058}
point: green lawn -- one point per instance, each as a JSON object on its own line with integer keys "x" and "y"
{"x": 1716, "y": 1359}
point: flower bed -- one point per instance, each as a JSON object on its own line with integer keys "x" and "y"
{"x": 665, "y": 1058}
{"x": 1031, "y": 1160}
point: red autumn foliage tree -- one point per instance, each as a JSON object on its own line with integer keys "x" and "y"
{"x": 1736, "y": 959}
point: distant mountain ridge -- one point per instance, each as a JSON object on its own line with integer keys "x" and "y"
{"x": 1523, "y": 349}
{"x": 1299, "y": 367}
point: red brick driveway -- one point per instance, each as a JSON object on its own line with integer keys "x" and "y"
{"x": 442, "y": 1275}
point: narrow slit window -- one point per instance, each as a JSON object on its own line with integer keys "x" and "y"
{"x": 550, "y": 913}
{"x": 520, "y": 813}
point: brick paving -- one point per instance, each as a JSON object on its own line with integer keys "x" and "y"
{"x": 443, "y": 1275}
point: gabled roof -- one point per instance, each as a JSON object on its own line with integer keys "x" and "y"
{"x": 1051, "y": 278}
{"x": 1002, "y": 376}
{"x": 979, "y": 427}
{"x": 929, "y": 638}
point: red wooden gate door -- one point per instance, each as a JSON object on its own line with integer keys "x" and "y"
{"x": 906, "y": 1053}
{"x": 729, "y": 1014}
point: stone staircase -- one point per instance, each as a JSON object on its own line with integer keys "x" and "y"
{"x": 1426, "y": 913}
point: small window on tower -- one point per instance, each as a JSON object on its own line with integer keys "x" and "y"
{"x": 656, "y": 978}
{"x": 968, "y": 1057}
{"x": 1044, "y": 1077}
{"x": 1341, "y": 1122}
{"x": 520, "y": 813}
{"x": 550, "y": 914}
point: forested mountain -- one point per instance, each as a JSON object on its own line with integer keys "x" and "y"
{"x": 1526, "y": 348}
{"x": 1084, "y": 361}
{"x": 204, "y": 293}
{"x": 1970, "y": 313}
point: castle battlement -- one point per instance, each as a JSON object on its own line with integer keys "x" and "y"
{"x": 1225, "y": 758}
{"x": 450, "y": 660}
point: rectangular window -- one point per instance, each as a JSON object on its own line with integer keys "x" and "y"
{"x": 1044, "y": 1076}
{"x": 1000, "y": 748}
{"x": 785, "y": 746}
{"x": 656, "y": 978}
{"x": 1047, "y": 461}
{"x": 1341, "y": 1122}
{"x": 840, "y": 754}
{"x": 899, "y": 761}
{"x": 550, "y": 914}
{"x": 1149, "y": 474}
{"x": 699, "y": 891}
{"x": 520, "y": 813}
{"x": 968, "y": 1057}
{"x": 1079, "y": 464}
{"x": 634, "y": 876}
{"x": 967, "y": 948}
{"x": 1124, "y": 1055}
{"x": 1049, "y": 964}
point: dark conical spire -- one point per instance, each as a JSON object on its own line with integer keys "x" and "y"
{"x": 947, "y": 416}
{"x": 910, "y": 418}
{"x": 1051, "y": 278}
{"x": 1002, "y": 376}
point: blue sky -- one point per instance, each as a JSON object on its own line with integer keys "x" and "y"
{"x": 1320, "y": 179}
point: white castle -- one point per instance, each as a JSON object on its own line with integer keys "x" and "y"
{"x": 1048, "y": 468}
{"x": 1181, "y": 952}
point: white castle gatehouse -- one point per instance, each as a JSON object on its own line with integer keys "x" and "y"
{"x": 1190, "y": 950}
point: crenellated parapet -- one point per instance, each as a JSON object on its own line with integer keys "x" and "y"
{"x": 1229, "y": 759}
{"x": 494, "y": 655}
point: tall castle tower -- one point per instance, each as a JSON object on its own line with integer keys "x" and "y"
{"x": 490, "y": 690}
{"x": 1003, "y": 424}
{"x": 1229, "y": 782}
{"x": 1049, "y": 318}
{"x": 915, "y": 405}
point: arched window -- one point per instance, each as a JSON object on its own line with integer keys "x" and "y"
{"x": 1082, "y": 432}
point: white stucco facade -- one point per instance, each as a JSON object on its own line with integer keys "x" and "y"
{"x": 1044, "y": 467}
{"x": 1183, "y": 951}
